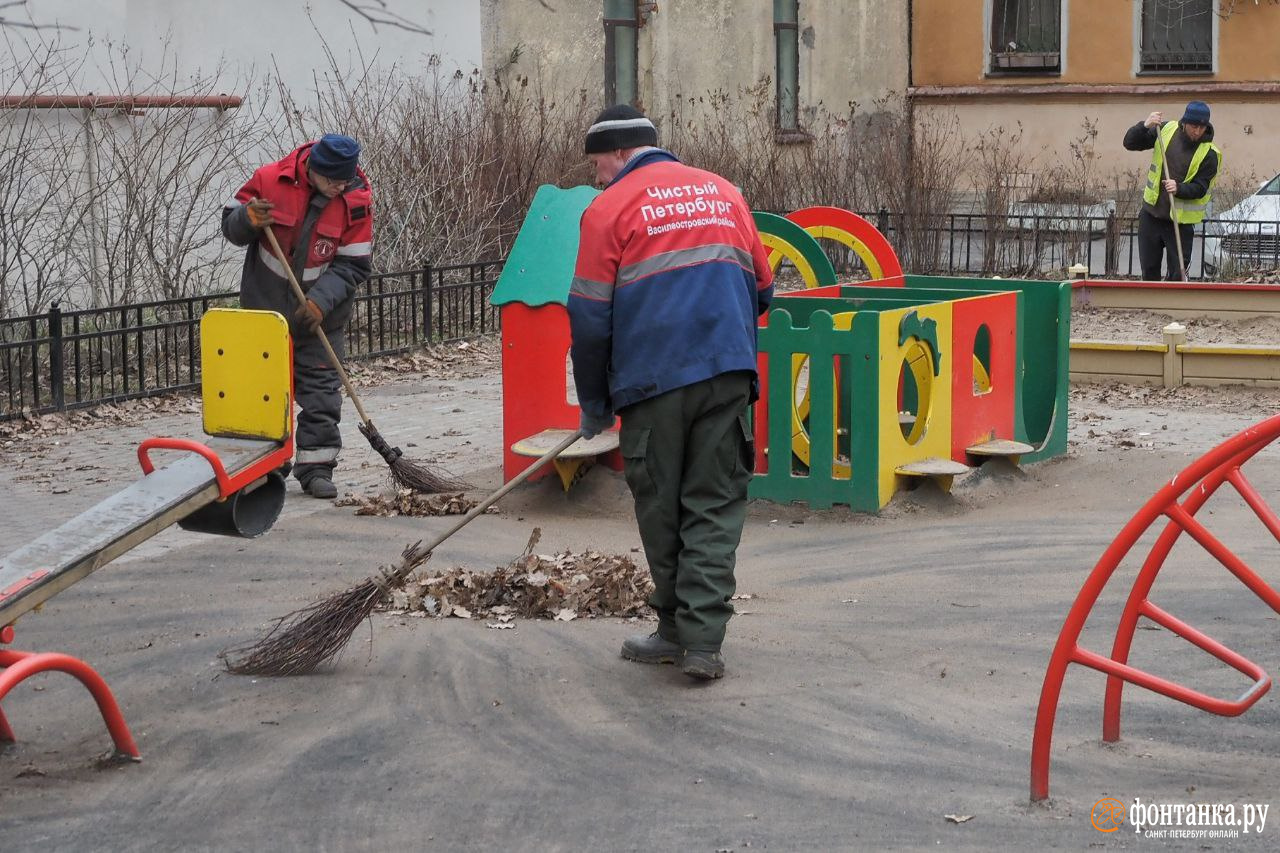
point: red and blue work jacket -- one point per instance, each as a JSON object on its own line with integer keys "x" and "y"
{"x": 337, "y": 259}
{"x": 670, "y": 280}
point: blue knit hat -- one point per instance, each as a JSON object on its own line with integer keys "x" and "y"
{"x": 335, "y": 156}
{"x": 1197, "y": 112}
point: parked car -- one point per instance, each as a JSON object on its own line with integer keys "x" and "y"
{"x": 1245, "y": 237}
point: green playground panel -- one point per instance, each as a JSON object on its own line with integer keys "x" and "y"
{"x": 858, "y": 350}
{"x": 803, "y": 242}
{"x": 539, "y": 268}
{"x": 1044, "y": 340}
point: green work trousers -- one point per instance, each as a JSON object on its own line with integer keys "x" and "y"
{"x": 688, "y": 457}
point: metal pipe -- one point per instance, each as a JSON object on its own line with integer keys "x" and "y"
{"x": 118, "y": 102}
{"x": 91, "y": 177}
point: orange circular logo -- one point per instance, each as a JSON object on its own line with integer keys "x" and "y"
{"x": 1107, "y": 815}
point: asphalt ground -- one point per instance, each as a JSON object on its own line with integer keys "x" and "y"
{"x": 883, "y": 675}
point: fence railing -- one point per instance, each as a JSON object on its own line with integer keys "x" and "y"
{"x": 71, "y": 359}
{"x": 1044, "y": 245}
{"x": 64, "y": 360}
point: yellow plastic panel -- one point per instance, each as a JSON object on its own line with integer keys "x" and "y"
{"x": 779, "y": 249}
{"x": 930, "y": 436}
{"x": 800, "y": 403}
{"x": 830, "y": 232}
{"x": 246, "y": 374}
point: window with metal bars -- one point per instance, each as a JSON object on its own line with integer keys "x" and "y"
{"x": 621, "y": 58}
{"x": 786, "y": 39}
{"x": 1177, "y": 36}
{"x": 1026, "y": 36}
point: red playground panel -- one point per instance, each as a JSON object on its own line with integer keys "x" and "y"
{"x": 983, "y": 408}
{"x": 535, "y": 382}
{"x": 847, "y": 227}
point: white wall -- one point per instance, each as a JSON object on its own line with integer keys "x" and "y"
{"x": 255, "y": 37}
{"x": 157, "y": 47}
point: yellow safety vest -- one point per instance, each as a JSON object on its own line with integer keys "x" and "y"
{"x": 1190, "y": 210}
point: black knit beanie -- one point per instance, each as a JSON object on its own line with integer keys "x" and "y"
{"x": 620, "y": 126}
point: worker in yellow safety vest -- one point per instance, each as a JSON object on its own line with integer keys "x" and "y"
{"x": 1185, "y": 162}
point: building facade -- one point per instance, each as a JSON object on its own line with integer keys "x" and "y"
{"x": 1050, "y": 66}
{"x": 805, "y": 61}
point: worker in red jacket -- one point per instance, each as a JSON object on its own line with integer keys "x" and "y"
{"x": 670, "y": 279}
{"x": 318, "y": 203}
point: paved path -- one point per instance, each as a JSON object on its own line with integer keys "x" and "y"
{"x": 883, "y": 675}
{"x": 457, "y": 424}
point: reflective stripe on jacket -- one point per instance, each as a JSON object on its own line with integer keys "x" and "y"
{"x": 670, "y": 279}
{"x": 338, "y": 258}
{"x": 1192, "y": 210}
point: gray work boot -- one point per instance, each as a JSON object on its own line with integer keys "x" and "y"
{"x": 321, "y": 487}
{"x": 650, "y": 649}
{"x": 703, "y": 665}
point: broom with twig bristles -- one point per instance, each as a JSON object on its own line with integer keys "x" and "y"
{"x": 406, "y": 473}
{"x": 304, "y": 639}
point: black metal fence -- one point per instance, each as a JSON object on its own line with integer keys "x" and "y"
{"x": 71, "y": 359}
{"x": 1045, "y": 245}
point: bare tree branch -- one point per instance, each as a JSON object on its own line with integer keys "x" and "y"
{"x": 376, "y": 12}
{"x": 1227, "y": 8}
{"x": 28, "y": 24}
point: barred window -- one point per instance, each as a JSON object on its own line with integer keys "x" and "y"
{"x": 621, "y": 25}
{"x": 1026, "y": 36}
{"x": 786, "y": 38}
{"x": 1177, "y": 36}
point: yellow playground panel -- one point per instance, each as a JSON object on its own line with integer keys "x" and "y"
{"x": 800, "y": 404}
{"x": 246, "y": 374}
{"x": 913, "y": 342}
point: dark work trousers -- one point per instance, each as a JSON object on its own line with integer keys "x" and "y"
{"x": 1155, "y": 241}
{"x": 315, "y": 382}
{"x": 317, "y": 390}
{"x": 688, "y": 457}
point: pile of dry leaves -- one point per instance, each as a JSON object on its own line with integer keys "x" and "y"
{"x": 1262, "y": 277}
{"x": 462, "y": 360}
{"x": 126, "y": 413}
{"x": 410, "y": 502}
{"x": 563, "y": 586}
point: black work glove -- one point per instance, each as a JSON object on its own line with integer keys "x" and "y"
{"x": 592, "y": 425}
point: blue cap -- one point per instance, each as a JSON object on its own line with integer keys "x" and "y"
{"x": 1197, "y": 112}
{"x": 335, "y": 156}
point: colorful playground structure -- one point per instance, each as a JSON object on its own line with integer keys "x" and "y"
{"x": 865, "y": 388}
{"x": 229, "y": 484}
{"x": 538, "y": 408}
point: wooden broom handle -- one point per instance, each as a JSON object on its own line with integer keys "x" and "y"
{"x": 420, "y": 551}
{"x": 1173, "y": 207}
{"x": 324, "y": 339}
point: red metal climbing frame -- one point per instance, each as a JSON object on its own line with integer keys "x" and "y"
{"x": 1198, "y": 482}
{"x": 16, "y": 667}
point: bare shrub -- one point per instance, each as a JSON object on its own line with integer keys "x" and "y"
{"x": 1004, "y": 173}
{"x": 454, "y": 159}
{"x": 860, "y": 161}
{"x": 43, "y": 196}
{"x": 104, "y": 207}
{"x": 912, "y": 166}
